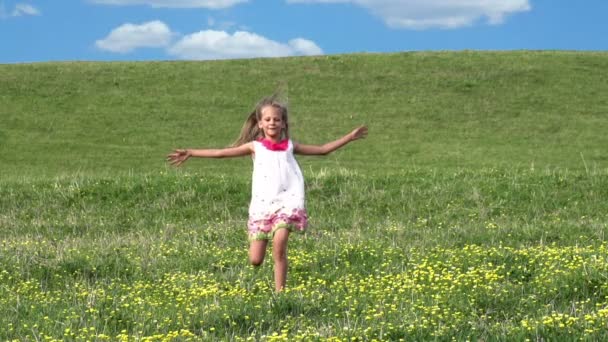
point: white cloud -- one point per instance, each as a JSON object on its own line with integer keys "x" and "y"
{"x": 446, "y": 14}
{"x": 128, "y": 37}
{"x": 211, "y": 44}
{"x": 305, "y": 47}
{"x": 20, "y": 9}
{"x": 24, "y": 9}
{"x": 211, "y": 4}
{"x": 202, "y": 45}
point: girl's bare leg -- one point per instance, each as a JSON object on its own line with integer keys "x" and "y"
{"x": 257, "y": 252}
{"x": 279, "y": 254}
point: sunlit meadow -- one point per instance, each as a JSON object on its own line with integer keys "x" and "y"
{"x": 414, "y": 256}
{"x": 476, "y": 209}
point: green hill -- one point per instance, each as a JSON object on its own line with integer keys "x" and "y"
{"x": 475, "y": 209}
{"x": 521, "y": 109}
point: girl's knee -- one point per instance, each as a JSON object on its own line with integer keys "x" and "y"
{"x": 256, "y": 263}
{"x": 280, "y": 256}
{"x": 257, "y": 252}
{"x": 256, "y": 260}
{"x": 279, "y": 252}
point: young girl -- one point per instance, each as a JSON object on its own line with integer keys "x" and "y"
{"x": 277, "y": 202}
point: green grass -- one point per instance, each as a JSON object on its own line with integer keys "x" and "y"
{"x": 448, "y": 110}
{"x": 475, "y": 209}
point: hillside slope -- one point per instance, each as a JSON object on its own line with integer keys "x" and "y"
{"x": 522, "y": 109}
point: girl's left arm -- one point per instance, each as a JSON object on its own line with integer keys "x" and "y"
{"x": 357, "y": 133}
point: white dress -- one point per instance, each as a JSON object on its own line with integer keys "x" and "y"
{"x": 277, "y": 190}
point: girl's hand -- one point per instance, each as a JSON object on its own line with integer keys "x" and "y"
{"x": 178, "y": 157}
{"x": 358, "y": 133}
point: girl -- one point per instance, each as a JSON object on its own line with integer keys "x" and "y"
{"x": 277, "y": 201}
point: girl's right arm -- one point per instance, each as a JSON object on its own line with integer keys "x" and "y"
{"x": 178, "y": 157}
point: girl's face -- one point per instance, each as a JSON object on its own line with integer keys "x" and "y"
{"x": 271, "y": 122}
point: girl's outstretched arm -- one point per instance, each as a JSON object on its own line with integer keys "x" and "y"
{"x": 178, "y": 157}
{"x": 358, "y": 133}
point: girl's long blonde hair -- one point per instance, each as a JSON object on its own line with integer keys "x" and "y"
{"x": 251, "y": 131}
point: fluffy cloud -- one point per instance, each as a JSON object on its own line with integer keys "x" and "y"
{"x": 128, "y": 37}
{"x": 24, "y": 9}
{"x": 211, "y": 44}
{"x": 212, "y": 4}
{"x": 208, "y": 44}
{"x": 447, "y": 14}
{"x": 305, "y": 47}
{"x": 20, "y": 9}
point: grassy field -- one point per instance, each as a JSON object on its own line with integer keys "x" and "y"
{"x": 438, "y": 110}
{"x": 476, "y": 209}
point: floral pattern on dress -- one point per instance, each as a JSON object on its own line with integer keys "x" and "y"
{"x": 266, "y": 227}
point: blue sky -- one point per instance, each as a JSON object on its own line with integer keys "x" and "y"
{"x": 128, "y": 30}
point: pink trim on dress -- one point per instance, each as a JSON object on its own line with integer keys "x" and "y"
{"x": 298, "y": 220}
{"x": 271, "y": 145}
